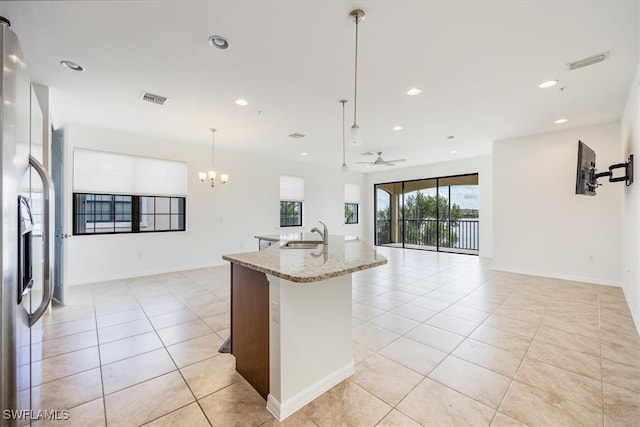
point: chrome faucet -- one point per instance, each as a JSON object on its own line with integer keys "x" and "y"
{"x": 324, "y": 234}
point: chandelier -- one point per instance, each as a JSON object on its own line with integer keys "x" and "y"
{"x": 211, "y": 174}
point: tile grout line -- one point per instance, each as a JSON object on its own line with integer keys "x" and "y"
{"x": 195, "y": 399}
{"x": 178, "y": 369}
{"x": 116, "y": 361}
{"x": 376, "y": 352}
{"x": 513, "y": 378}
{"x": 450, "y": 354}
{"x": 96, "y": 328}
{"x": 95, "y": 315}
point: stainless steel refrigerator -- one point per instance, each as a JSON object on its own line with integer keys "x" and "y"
{"x": 26, "y": 197}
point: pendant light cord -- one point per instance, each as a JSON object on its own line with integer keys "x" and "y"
{"x": 213, "y": 131}
{"x": 344, "y": 163}
{"x": 355, "y": 86}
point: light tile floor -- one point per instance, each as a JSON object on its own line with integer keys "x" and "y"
{"x": 439, "y": 339}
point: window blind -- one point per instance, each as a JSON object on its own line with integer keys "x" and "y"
{"x": 291, "y": 188}
{"x": 352, "y": 193}
{"x": 114, "y": 173}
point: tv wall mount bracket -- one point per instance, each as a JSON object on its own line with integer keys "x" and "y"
{"x": 628, "y": 172}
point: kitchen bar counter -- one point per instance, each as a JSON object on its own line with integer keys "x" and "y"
{"x": 291, "y": 317}
{"x": 297, "y": 236}
{"x": 339, "y": 257}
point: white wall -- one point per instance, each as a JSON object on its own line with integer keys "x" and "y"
{"x": 480, "y": 165}
{"x": 219, "y": 221}
{"x": 631, "y": 203}
{"x": 541, "y": 226}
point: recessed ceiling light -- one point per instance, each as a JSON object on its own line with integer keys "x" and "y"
{"x": 414, "y": 91}
{"x": 242, "y": 102}
{"x": 560, "y": 121}
{"x": 452, "y": 152}
{"x": 219, "y": 42}
{"x": 397, "y": 128}
{"x": 72, "y": 65}
{"x": 303, "y": 154}
{"x": 548, "y": 83}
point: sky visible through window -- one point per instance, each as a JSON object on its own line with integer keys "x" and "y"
{"x": 465, "y": 196}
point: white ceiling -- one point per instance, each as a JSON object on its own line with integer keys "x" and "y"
{"x": 478, "y": 64}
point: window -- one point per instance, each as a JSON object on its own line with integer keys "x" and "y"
{"x": 110, "y": 213}
{"x": 350, "y": 213}
{"x": 108, "y": 208}
{"x": 351, "y": 203}
{"x": 161, "y": 213}
{"x": 104, "y": 185}
{"x": 291, "y": 198}
{"x": 290, "y": 214}
{"x": 440, "y": 214}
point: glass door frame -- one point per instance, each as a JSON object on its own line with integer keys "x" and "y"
{"x": 401, "y": 203}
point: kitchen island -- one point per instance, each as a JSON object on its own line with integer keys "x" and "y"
{"x": 291, "y": 317}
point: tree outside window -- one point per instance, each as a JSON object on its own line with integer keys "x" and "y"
{"x": 350, "y": 213}
{"x": 290, "y": 214}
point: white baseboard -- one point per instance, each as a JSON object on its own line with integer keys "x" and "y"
{"x": 282, "y": 410}
{"x": 139, "y": 273}
{"x": 572, "y": 278}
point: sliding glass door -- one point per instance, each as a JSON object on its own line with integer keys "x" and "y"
{"x": 420, "y": 214}
{"x": 459, "y": 214}
{"x": 388, "y": 214}
{"x": 440, "y": 214}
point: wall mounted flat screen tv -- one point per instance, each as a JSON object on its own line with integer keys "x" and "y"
{"x": 586, "y": 171}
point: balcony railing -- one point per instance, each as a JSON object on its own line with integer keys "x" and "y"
{"x": 455, "y": 234}
{"x": 383, "y": 231}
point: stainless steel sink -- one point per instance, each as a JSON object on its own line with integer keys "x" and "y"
{"x": 301, "y": 244}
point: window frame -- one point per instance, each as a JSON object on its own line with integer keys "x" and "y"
{"x": 300, "y": 208}
{"x": 127, "y": 227}
{"x": 355, "y": 213}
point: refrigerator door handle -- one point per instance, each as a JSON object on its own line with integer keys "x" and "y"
{"x": 47, "y": 234}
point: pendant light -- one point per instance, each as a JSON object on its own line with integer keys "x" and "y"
{"x": 357, "y": 16}
{"x": 343, "y": 168}
{"x": 211, "y": 174}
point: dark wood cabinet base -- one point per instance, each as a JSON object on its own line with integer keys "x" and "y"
{"x": 250, "y": 326}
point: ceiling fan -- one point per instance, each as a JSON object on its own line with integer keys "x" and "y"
{"x": 380, "y": 161}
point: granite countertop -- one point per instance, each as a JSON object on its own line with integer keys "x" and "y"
{"x": 337, "y": 258}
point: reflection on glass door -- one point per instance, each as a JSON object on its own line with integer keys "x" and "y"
{"x": 439, "y": 214}
{"x": 459, "y": 218}
{"x": 389, "y": 214}
{"x": 420, "y": 213}
{"x": 383, "y": 216}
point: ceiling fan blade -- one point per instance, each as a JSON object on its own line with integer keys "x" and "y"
{"x": 363, "y": 163}
{"x": 388, "y": 164}
{"x": 396, "y": 160}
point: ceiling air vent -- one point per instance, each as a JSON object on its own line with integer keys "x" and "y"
{"x": 155, "y": 99}
{"x": 296, "y": 135}
{"x": 588, "y": 61}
